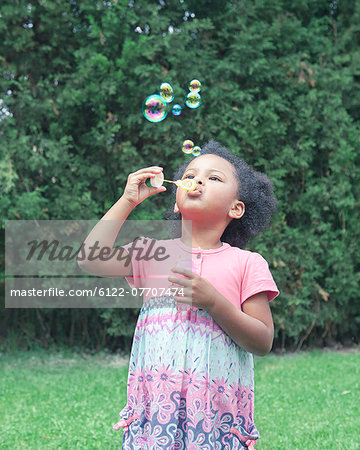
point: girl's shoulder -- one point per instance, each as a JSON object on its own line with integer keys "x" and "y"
{"x": 238, "y": 251}
{"x": 247, "y": 256}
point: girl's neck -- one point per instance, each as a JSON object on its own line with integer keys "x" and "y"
{"x": 206, "y": 241}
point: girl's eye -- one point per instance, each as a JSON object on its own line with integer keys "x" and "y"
{"x": 189, "y": 176}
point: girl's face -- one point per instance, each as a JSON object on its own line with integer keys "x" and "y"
{"x": 217, "y": 185}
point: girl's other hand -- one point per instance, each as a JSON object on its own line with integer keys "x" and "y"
{"x": 197, "y": 290}
{"x": 136, "y": 189}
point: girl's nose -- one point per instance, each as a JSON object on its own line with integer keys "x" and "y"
{"x": 198, "y": 180}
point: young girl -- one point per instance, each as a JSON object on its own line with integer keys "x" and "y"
{"x": 191, "y": 381}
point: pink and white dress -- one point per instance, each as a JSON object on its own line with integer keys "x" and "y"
{"x": 190, "y": 386}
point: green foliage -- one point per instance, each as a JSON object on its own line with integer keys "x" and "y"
{"x": 280, "y": 88}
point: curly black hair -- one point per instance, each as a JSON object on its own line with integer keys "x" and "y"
{"x": 255, "y": 189}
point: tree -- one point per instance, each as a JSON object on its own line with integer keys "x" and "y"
{"x": 279, "y": 88}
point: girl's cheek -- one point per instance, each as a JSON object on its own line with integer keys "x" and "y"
{"x": 178, "y": 194}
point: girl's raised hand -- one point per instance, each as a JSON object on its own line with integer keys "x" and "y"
{"x": 197, "y": 290}
{"x": 136, "y": 189}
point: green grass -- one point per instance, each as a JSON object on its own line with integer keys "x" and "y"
{"x": 308, "y": 400}
{"x": 71, "y": 400}
{"x": 61, "y": 400}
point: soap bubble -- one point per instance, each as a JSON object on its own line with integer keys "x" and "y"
{"x": 187, "y": 146}
{"x": 193, "y": 100}
{"x": 166, "y": 92}
{"x": 196, "y": 150}
{"x": 158, "y": 180}
{"x": 155, "y": 108}
{"x": 194, "y": 86}
{"x": 176, "y": 110}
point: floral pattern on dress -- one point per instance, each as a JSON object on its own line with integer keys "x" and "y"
{"x": 189, "y": 385}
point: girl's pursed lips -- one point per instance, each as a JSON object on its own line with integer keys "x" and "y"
{"x": 194, "y": 193}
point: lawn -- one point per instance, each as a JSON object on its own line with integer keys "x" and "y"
{"x": 71, "y": 400}
{"x": 308, "y": 400}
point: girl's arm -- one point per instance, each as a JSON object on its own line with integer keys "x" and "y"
{"x": 104, "y": 234}
{"x": 252, "y": 328}
{"x": 103, "y": 237}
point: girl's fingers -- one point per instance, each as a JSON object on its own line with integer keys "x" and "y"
{"x": 153, "y": 169}
{"x": 185, "y": 282}
{"x": 136, "y": 189}
{"x": 146, "y": 175}
{"x": 142, "y": 176}
{"x": 182, "y": 271}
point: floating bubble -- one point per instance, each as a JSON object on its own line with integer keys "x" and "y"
{"x": 193, "y": 100}
{"x": 176, "y": 110}
{"x": 187, "y": 146}
{"x": 194, "y": 86}
{"x": 155, "y": 108}
{"x": 158, "y": 180}
{"x": 196, "y": 151}
{"x": 166, "y": 92}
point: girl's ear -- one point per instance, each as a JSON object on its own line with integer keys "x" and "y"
{"x": 176, "y": 209}
{"x": 237, "y": 210}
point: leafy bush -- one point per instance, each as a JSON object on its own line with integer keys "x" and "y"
{"x": 280, "y": 88}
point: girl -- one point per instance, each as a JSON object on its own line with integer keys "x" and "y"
{"x": 191, "y": 381}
